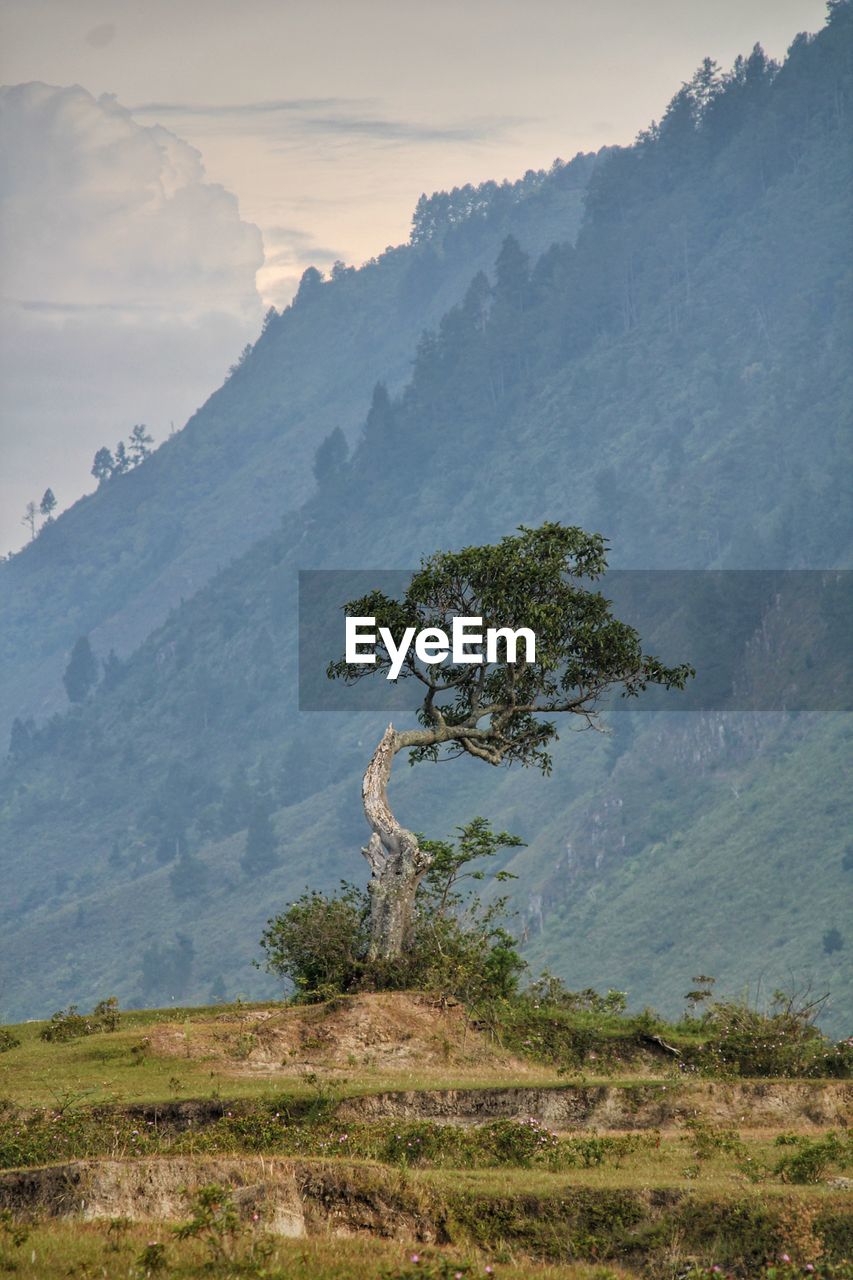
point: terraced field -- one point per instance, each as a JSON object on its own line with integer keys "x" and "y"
{"x": 384, "y": 1136}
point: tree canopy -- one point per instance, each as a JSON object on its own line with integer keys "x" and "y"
{"x": 503, "y": 711}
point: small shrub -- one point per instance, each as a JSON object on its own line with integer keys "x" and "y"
{"x": 225, "y": 1231}
{"x": 70, "y": 1024}
{"x": 7, "y": 1040}
{"x": 152, "y": 1260}
{"x": 810, "y": 1158}
{"x": 522, "y": 1142}
{"x": 708, "y": 1141}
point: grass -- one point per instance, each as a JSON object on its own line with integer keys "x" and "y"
{"x": 95, "y": 1249}
{"x": 505, "y": 1193}
{"x": 114, "y": 1067}
{"x": 119, "y": 1067}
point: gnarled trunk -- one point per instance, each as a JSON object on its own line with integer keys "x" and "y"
{"x": 396, "y": 860}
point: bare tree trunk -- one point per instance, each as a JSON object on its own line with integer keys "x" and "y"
{"x": 397, "y": 863}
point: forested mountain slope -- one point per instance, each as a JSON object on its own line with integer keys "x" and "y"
{"x": 116, "y": 562}
{"x": 680, "y": 379}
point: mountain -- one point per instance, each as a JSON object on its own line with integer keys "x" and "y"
{"x": 115, "y": 563}
{"x": 677, "y": 375}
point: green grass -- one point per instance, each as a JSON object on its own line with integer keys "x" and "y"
{"x": 94, "y": 1249}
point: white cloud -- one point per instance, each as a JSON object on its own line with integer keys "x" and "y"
{"x": 102, "y": 211}
{"x": 128, "y": 285}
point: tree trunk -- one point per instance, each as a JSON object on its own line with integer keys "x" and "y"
{"x": 397, "y": 863}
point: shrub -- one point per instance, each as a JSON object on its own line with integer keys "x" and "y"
{"x": 319, "y": 942}
{"x": 7, "y": 1040}
{"x": 810, "y": 1158}
{"x": 229, "y": 1233}
{"x": 69, "y": 1024}
{"x": 781, "y": 1041}
{"x": 459, "y": 946}
{"x": 708, "y": 1141}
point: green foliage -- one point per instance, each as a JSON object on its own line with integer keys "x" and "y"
{"x": 528, "y": 580}
{"x": 7, "y": 1040}
{"x": 319, "y": 942}
{"x": 81, "y": 674}
{"x": 152, "y": 1260}
{"x": 69, "y": 1024}
{"x": 459, "y": 947}
{"x": 708, "y": 1140}
{"x": 809, "y": 1159}
{"x": 784, "y": 1040}
{"x": 230, "y": 1233}
{"x": 215, "y": 1222}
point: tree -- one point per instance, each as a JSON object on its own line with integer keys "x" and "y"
{"x": 29, "y": 518}
{"x": 832, "y": 941}
{"x": 321, "y": 943}
{"x": 501, "y": 711}
{"x": 21, "y": 738}
{"x": 121, "y": 461}
{"x": 309, "y": 285}
{"x": 262, "y": 851}
{"x": 330, "y": 459}
{"x": 113, "y": 670}
{"x": 81, "y": 674}
{"x": 103, "y": 465}
{"x": 139, "y": 444}
{"x": 47, "y": 506}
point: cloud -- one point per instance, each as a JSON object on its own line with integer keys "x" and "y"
{"x": 405, "y": 130}
{"x": 128, "y": 287}
{"x": 231, "y": 110}
{"x": 297, "y": 117}
{"x": 102, "y": 211}
{"x": 287, "y": 244}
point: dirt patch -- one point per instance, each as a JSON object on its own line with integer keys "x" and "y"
{"x": 595, "y": 1223}
{"x": 388, "y": 1031}
{"x": 777, "y": 1104}
{"x": 291, "y": 1197}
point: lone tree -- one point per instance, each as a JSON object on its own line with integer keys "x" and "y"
{"x": 497, "y": 711}
{"x": 140, "y": 444}
{"x": 81, "y": 674}
{"x": 29, "y": 519}
{"x": 47, "y": 506}
{"x": 103, "y": 465}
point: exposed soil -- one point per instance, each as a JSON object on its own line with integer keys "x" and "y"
{"x": 291, "y": 1197}
{"x": 388, "y": 1031}
{"x": 777, "y": 1104}
{"x": 301, "y": 1197}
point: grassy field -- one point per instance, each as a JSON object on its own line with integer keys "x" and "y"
{"x": 118, "y": 1067}
{"x": 121, "y": 1250}
{"x": 167, "y": 1145}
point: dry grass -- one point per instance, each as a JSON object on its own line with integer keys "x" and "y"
{"x": 96, "y": 1250}
{"x": 364, "y": 1044}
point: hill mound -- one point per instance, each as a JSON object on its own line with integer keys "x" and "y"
{"x": 393, "y": 1030}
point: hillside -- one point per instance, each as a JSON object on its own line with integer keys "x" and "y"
{"x": 119, "y": 559}
{"x": 386, "y": 1129}
{"x": 680, "y": 378}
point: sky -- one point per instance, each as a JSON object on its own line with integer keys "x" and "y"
{"x": 170, "y": 167}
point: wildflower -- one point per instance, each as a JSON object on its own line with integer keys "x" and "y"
{"x": 416, "y": 1257}
{"x": 785, "y": 1258}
